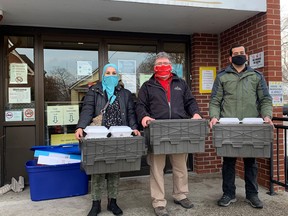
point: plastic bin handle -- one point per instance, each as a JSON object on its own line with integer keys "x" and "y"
{"x": 130, "y": 160}
{"x": 110, "y": 161}
{"x": 237, "y": 145}
{"x": 172, "y": 142}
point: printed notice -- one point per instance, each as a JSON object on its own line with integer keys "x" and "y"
{"x": 84, "y": 68}
{"x": 143, "y": 78}
{"x": 19, "y": 95}
{"x": 13, "y": 116}
{"x": 18, "y": 73}
{"x": 207, "y": 76}
{"x": 276, "y": 92}
{"x": 54, "y": 115}
{"x": 71, "y": 114}
{"x": 29, "y": 114}
{"x": 256, "y": 60}
{"x": 129, "y": 82}
{"x": 127, "y": 66}
{"x": 57, "y": 139}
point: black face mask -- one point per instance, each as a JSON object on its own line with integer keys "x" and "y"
{"x": 239, "y": 59}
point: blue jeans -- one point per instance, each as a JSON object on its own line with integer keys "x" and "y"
{"x": 228, "y": 175}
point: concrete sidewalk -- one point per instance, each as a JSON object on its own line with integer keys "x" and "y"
{"x": 134, "y": 199}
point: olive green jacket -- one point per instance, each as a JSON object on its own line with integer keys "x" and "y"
{"x": 240, "y": 95}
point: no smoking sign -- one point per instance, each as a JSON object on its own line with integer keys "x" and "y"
{"x": 29, "y": 114}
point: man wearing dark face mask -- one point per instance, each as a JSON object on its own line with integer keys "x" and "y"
{"x": 166, "y": 96}
{"x": 240, "y": 92}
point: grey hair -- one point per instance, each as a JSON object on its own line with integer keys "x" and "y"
{"x": 163, "y": 55}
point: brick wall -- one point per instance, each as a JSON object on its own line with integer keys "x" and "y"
{"x": 204, "y": 52}
{"x": 259, "y": 33}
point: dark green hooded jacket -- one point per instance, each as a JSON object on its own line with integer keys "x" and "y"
{"x": 240, "y": 95}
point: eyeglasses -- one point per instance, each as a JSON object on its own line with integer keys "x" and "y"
{"x": 162, "y": 63}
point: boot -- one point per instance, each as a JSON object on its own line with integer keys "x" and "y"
{"x": 113, "y": 207}
{"x": 96, "y": 208}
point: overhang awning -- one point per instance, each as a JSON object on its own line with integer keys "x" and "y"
{"x": 150, "y": 16}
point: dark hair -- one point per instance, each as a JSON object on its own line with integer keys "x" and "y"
{"x": 234, "y": 46}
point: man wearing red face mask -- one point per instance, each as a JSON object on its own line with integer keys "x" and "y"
{"x": 166, "y": 96}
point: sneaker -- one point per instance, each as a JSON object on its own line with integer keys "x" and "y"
{"x": 226, "y": 201}
{"x": 185, "y": 203}
{"x": 254, "y": 201}
{"x": 161, "y": 211}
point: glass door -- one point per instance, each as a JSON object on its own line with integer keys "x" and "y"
{"x": 70, "y": 68}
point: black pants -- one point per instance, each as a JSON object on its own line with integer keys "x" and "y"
{"x": 228, "y": 175}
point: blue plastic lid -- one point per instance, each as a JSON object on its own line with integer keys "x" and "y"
{"x": 72, "y": 148}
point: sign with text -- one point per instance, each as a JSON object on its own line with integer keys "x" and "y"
{"x": 29, "y": 114}
{"x": 276, "y": 92}
{"x": 18, "y": 73}
{"x": 54, "y": 115}
{"x": 256, "y": 60}
{"x": 71, "y": 114}
{"x": 13, "y": 116}
{"x": 84, "y": 68}
{"x": 207, "y": 77}
{"x": 19, "y": 95}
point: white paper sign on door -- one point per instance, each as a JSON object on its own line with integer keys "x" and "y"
{"x": 54, "y": 115}
{"x": 71, "y": 114}
{"x": 19, "y": 95}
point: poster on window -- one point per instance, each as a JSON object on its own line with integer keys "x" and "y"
{"x": 84, "y": 68}
{"x": 18, "y": 73}
{"x": 127, "y": 66}
{"x": 127, "y": 71}
{"x": 19, "y": 95}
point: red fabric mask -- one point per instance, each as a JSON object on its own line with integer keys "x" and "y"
{"x": 163, "y": 70}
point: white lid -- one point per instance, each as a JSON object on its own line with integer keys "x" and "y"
{"x": 96, "y": 129}
{"x": 229, "y": 121}
{"x": 120, "y": 129}
{"x": 252, "y": 121}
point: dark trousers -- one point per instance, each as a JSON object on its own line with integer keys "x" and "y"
{"x": 228, "y": 175}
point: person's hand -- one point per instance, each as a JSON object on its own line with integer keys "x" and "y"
{"x": 136, "y": 132}
{"x": 268, "y": 120}
{"x": 213, "y": 121}
{"x": 145, "y": 121}
{"x": 79, "y": 133}
{"x": 196, "y": 116}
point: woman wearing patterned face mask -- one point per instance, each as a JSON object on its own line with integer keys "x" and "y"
{"x": 120, "y": 111}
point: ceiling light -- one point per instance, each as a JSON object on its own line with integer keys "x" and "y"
{"x": 115, "y": 19}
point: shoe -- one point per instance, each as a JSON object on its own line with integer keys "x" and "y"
{"x": 161, "y": 211}
{"x": 96, "y": 208}
{"x": 226, "y": 201}
{"x": 185, "y": 203}
{"x": 254, "y": 201}
{"x": 113, "y": 207}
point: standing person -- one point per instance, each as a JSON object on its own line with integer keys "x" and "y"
{"x": 240, "y": 92}
{"x": 120, "y": 111}
{"x": 166, "y": 96}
